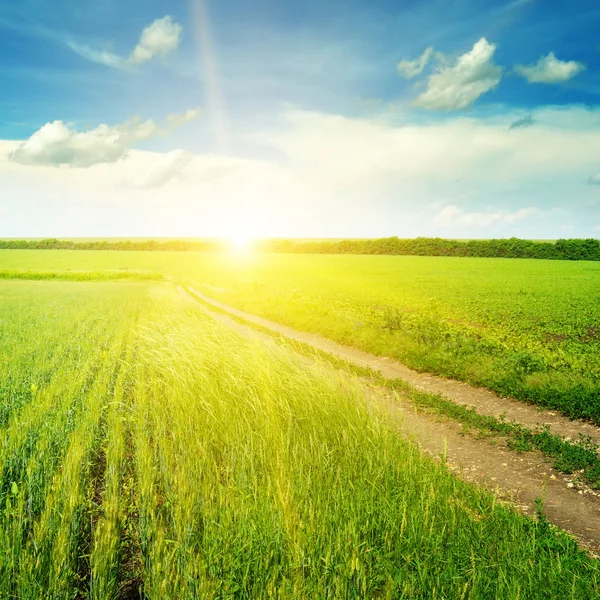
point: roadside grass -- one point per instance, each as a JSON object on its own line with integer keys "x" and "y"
{"x": 528, "y": 329}
{"x": 567, "y": 456}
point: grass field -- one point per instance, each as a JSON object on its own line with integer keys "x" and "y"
{"x": 144, "y": 446}
{"x": 524, "y": 328}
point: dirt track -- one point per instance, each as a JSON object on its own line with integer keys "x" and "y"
{"x": 520, "y": 478}
{"x": 482, "y": 400}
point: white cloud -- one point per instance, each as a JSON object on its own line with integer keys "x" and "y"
{"x": 158, "y": 39}
{"x": 549, "y": 69}
{"x": 350, "y": 150}
{"x": 100, "y": 56}
{"x": 175, "y": 120}
{"x": 57, "y": 144}
{"x": 168, "y": 168}
{"x": 211, "y": 195}
{"x": 368, "y": 163}
{"x": 594, "y": 179}
{"x": 452, "y": 216}
{"x": 458, "y": 86}
{"x": 412, "y": 68}
{"x": 334, "y": 176}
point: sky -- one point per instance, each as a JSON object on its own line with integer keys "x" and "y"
{"x": 345, "y": 118}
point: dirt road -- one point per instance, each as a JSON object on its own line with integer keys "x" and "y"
{"x": 517, "y": 477}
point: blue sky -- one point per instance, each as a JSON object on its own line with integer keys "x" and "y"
{"x": 339, "y": 118}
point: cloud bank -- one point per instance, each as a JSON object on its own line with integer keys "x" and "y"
{"x": 332, "y": 176}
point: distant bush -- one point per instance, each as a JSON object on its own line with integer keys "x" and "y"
{"x": 146, "y": 245}
{"x": 571, "y": 249}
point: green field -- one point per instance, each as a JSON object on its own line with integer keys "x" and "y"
{"x": 524, "y": 328}
{"x": 146, "y": 447}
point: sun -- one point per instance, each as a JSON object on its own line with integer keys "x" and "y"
{"x": 239, "y": 242}
{"x": 241, "y": 235}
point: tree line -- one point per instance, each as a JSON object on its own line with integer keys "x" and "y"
{"x": 564, "y": 249}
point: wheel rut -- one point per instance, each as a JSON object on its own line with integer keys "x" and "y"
{"x": 482, "y": 400}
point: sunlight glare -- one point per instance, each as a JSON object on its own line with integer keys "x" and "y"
{"x": 239, "y": 242}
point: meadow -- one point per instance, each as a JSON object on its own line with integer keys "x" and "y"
{"x": 148, "y": 451}
{"x": 528, "y": 329}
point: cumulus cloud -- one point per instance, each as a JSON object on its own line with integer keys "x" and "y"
{"x": 458, "y": 86}
{"x": 549, "y": 69}
{"x": 57, "y": 143}
{"x": 412, "y": 68}
{"x": 452, "y": 215}
{"x": 158, "y": 39}
{"x": 522, "y": 123}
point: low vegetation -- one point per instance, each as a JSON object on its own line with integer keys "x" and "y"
{"x": 567, "y": 249}
{"x": 525, "y": 329}
{"x": 571, "y": 249}
{"x": 581, "y": 456}
{"x": 146, "y": 447}
{"x": 68, "y": 275}
{"x": 528, "y": 329}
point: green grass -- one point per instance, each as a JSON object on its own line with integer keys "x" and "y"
{"x": 524, "y": 328}
{"x": 568, "y": 456}
{"x": 79, "y": 275}
{"x": 145, "y": 445}
{"x": 62, "y": 345}
{"x": 529, "y": 329}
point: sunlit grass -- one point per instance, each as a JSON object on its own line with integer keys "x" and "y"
{"x": 79, "y": 275}
{"x": 164, "y": 452}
